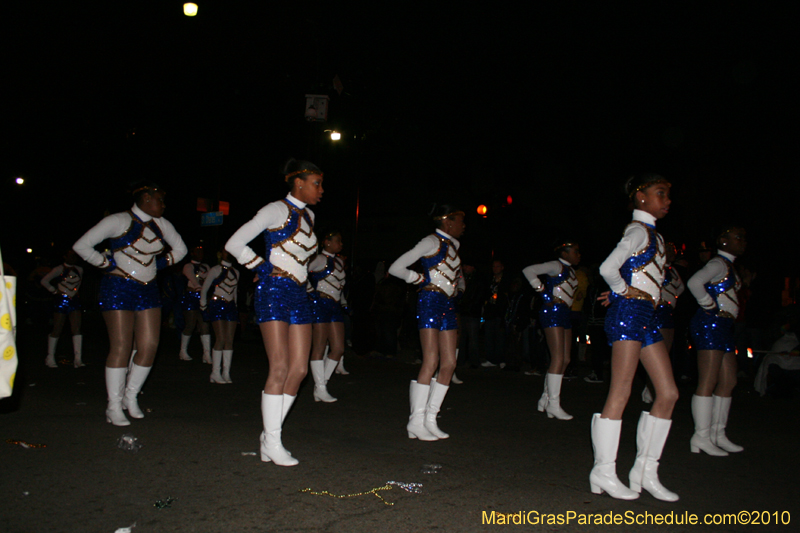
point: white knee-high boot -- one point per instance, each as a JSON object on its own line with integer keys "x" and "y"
{"x": 288, "y": 400}
{"x": 701, "y": 440}
{"x": 183, "y": 355}
{"x": 50, "y": 360}
{"x": 542, "y": 405}
{"x": 418, "y": 398}
{"x": 435, "y": 399}
{"x": 227, "y": 357}
{"x": 553, "y": 408}
{"x": 605, "y": 442}
{"x": 330, "y": 366}
{"x": 320, "y": 390}
{"x": 205, "y": 341}
{"x": 651, "y": 435}
{"x": 136, "y": 378}
{"x": 340, "y": 367}
{"x": 719, "y": 420}
{"x": 77, "y": 350}
{"x": 115, "y": 385}
{"x": 216, "y": 363}
{"x": 272, "y": 411}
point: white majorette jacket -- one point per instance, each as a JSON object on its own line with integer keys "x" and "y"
{"x": 561, "y": 276}
{"x": 672, "y": 288}
{"x": 635, "y": 268}
{"x": 225, "y": 281}
{"x": 715, "y": 285}
{"x": 136, "y": 240}
{"x": 195, "y": 272}
{"x": 288, "y": 231}
{"x": 69, "y": 281}
{"x": 327, "y": 273}
{"x": 438, "y": 253}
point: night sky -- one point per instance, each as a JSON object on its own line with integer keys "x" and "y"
{"x": 555, "y": 104}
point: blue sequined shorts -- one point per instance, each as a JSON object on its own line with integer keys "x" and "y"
{"x": 555, "y": 316}
{"x": 629, "y": 319}
{"x": 436, "y": 311}
{"x": 664, "y": 318}
{"x": 65, "y": 305}
{"x": 284, "y": 300}
{"x": 219, "y": 309}
{"x": 190, "y": 301}
{"x": 712, "y": 332}
{"x": 327, "y": 310}
{"x": 122, "y": 294}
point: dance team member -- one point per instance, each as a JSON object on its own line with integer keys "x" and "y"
{"x": 440, "y": 283}
{"x": 67, "y": 277}
{"x": 715, "y": 287}
{"x": 327, "y": 276}
{"x": 129, "y": 298}
{"x": 558, "y": 293}
{"x": 195, "y": 273}
{"x": 282, "y": 306}
{"x": 218, "y": 302}
{"x": 635, "y": 273}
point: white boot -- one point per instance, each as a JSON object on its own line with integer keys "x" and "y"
{"x": 227, "y": 356}
{"x": 320, "y": 390}
{"x": 205, "y": 340}
{"x": 719, "y": 420}
{"x": 136, "y": 378}
{"x": 115, "y": 385}
{"x": 542, "y": 405}
{"x": 701, "y": 440}
{"x": 288, "y": 400}
{"x": 330, "y": 367}
{"x": 183, "y": 355}
{"x": 272, "y": 411}
{"x": 605, "y": 441}
{"x": 340, "y": 367}
{"x": 651, "y": 434}
{"x": 50, "y": 360}
{"x": 435, "y": 399}
{"x": 77, "y": 349}
{"x": 647, "y": 396}
{"x": 418, "y": 398}
{"x": 216, "y": 362}
{"x": 554, "y": 397}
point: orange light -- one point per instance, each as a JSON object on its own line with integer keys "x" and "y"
{"x": 482, "y": 209}
{"x": 749, "y": 353}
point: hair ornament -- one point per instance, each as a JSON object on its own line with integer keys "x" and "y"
{"x": 304, "y": 171}
{"x": 644, "y": 186}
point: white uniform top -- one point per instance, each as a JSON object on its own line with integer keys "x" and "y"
{"x": 446, "y": 276}
{"x": 715, "y": 271}
{"x": 636, "y": 240}
{"x": 331, "y": 285}
{"x": 292, "y": 256}
{"x": 565, "y": 291}
{"x": 226, "y": 289}
{"x": 69, "y": 285}
{"x": 195, "y": 279}
{"x": 137, "y": 261}
{"x": 673, "y": 289}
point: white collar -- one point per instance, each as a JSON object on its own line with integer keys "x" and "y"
{"x": 295, "y": 201}
{"x": 327, "y": 253}
{"x": 225, "y": 263}
{"x": 141, "y": 214}
{"x": 449, "y": 237}
{"x": 726, "y": 255}
{"x": 565, "y": 261}
{"x": 644, "y": 216}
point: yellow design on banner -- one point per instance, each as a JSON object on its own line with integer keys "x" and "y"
{"x": 8, "y": 353}
{"x": 5, "y": 321}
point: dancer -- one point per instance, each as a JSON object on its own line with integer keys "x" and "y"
{"x": 195, "y": 273}
{"x": 440, "y": 282}
{"x": 715, "y": 287}
{"x": 129, "y": 297}
{"x": 283, "y": 308}
{"x": 67, "y": 277}
{"x": 558, "y": 293}
{"x": 634, "y": 272}
{"x": 218, "y": 302}
{"x": 327, "y": 276}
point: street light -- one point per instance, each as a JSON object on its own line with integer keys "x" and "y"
{"x": 20, "y": 181}
{"x": 190, "y": 9}
{"x": 335, "y": 135}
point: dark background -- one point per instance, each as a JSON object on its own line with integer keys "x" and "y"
{"x": 554, "y": 104}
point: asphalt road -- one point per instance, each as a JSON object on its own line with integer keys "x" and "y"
{"x": 200, "y": 440}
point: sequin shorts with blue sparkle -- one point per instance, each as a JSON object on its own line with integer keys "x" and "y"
{"x": 65, "y": 305}
{"x": 284, "y": 300}
{"x": 121, "y": 294}
{"x": 555, "y": 316}
{"x": 219, "y": 309}
{"x": 629, "y": 319}
{"x": 436, "y": 311}
{"x": 190, "y": 301}
{"x": 664, "y": 318}
{"x": 327, "y": 310}
{"x": 712, "y": 332}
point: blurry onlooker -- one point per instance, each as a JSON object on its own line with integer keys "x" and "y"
{"x": 494, "y": 312}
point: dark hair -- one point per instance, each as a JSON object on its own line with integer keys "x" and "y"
{"x": 298, "y": 169}
{"x": 439, "y": 212}
{"x": 141, "y": 188}
{"x": 640, "y": 182}
{"x": 564, "y": 244}
{"x": 722, "y": 231}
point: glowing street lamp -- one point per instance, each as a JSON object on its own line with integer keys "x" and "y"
{"x": 335, "y": 135}
{"x": 482, "y": 209}
{"x": 20, "y": 181}
{"x": 190, "y": 9}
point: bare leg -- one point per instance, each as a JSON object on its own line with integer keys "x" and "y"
{"x": 566, "y": 350}
{"x": 228, "y": 332}
{"x": 708, "y": 371}
{"x": 429, "y": 338}
{"x": 299, "y": 348}
{"x": 319, "y": 339}
{"x": 120, "y": 337}
{"x": 58, "y": 324}
{"x": 288, "y": 349}
{"x": 219, "y": 333}
{"x": 669, "y": 335}
{"x": 147, "y": 331}
{"x": 624, "y": 361}
{"x": 556, "y": 343}
{"x": 190, "y": 320}
{"x": 336, "y": 340}
{"x": 727, "y": 376}
{"x": 448, "y": 341}
{"x": 659, "y": 368}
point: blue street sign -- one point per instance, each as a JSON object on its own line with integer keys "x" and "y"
{"x": 211, "y": 219}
